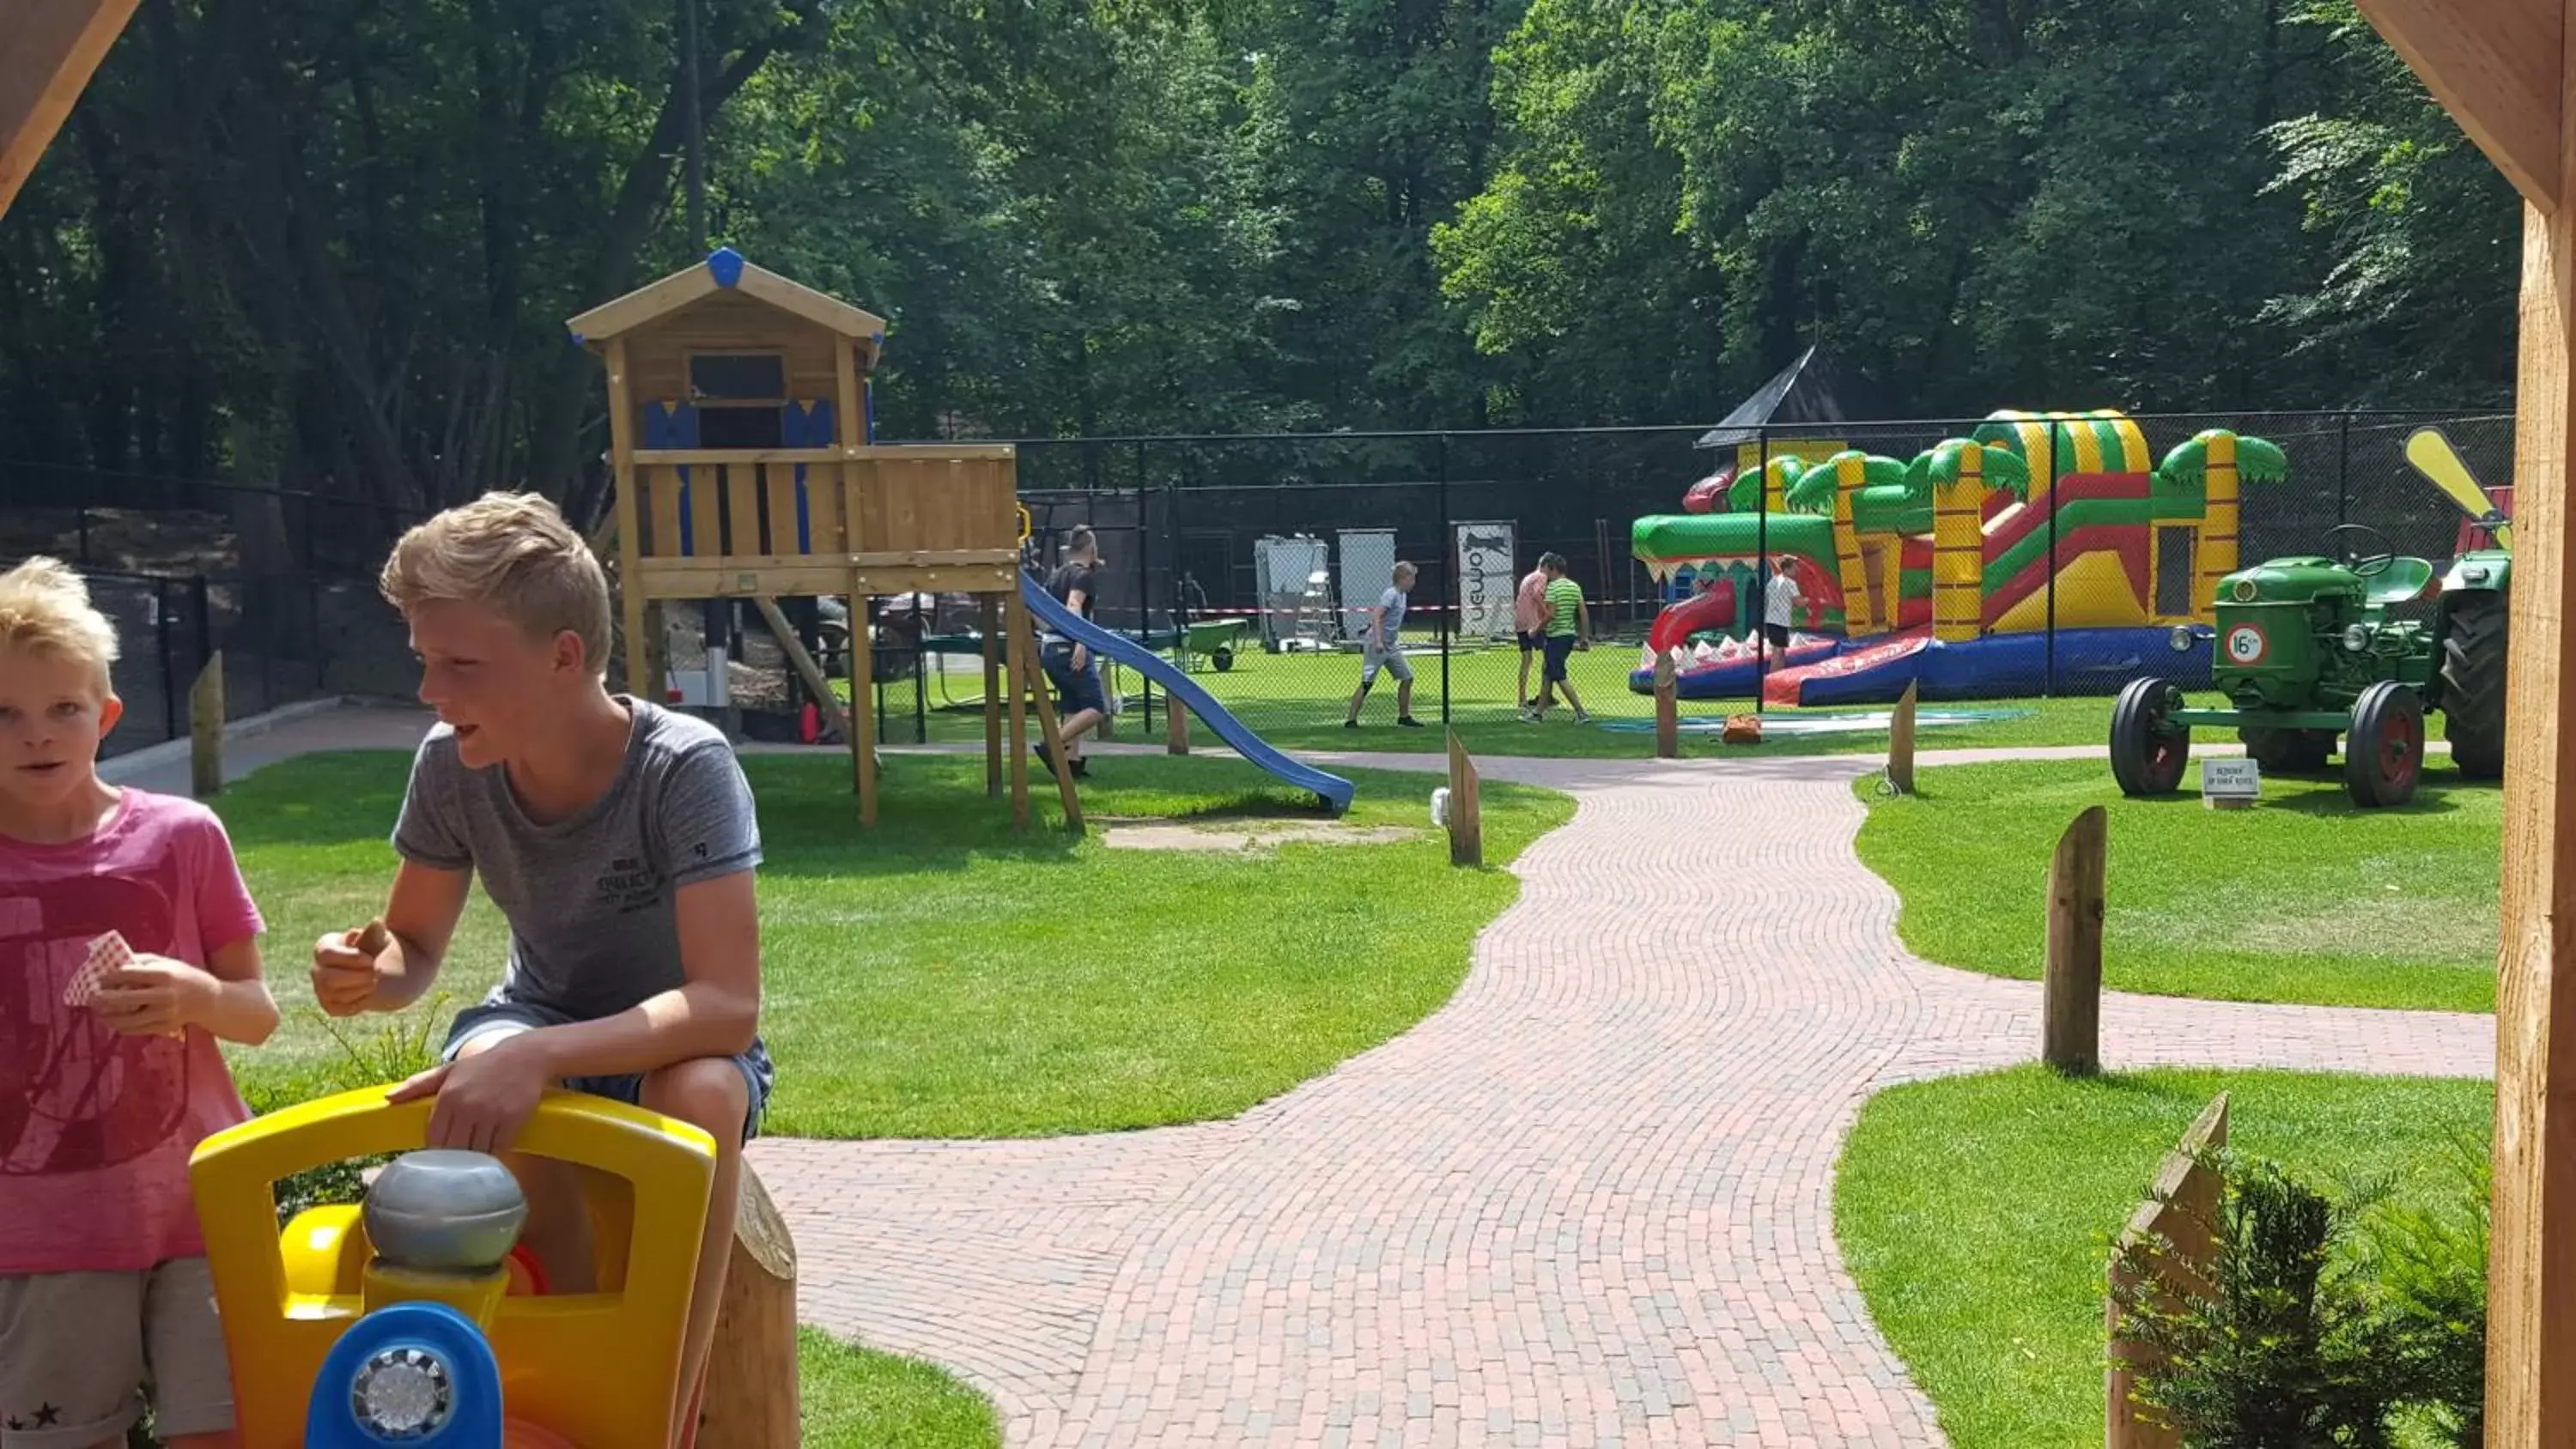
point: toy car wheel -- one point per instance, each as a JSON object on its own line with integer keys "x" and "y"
{"x": 2148, "y": 754}
{"x": 1222, "y": 658}
{"x": 2383, "y": 755}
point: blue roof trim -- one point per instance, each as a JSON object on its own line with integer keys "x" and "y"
{"x": 725, "y": 265}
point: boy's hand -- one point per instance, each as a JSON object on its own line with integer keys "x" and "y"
{"x": 154, "y": 996}
{"x": 344, "y": 969}
{"x": 483, "y": 1100}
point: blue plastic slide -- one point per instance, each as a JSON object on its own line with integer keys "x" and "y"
{"x": 1335, "y": 791}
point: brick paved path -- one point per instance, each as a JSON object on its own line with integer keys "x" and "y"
{"x": 1588, "y": 1202}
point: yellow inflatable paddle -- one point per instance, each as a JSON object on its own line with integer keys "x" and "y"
{"x": 2435, "y": 458}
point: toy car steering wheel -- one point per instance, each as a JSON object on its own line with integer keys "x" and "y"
{"x": 2368, "y": 565}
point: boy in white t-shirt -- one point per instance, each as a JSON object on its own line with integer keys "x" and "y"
{"x": 1385, "y": 650}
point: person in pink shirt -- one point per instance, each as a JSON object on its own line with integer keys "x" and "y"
{"x": 103, "y": 1278}
{"x": 1529, "y": 620}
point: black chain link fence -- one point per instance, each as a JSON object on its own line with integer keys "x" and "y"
{"x": 1253, "y": 562}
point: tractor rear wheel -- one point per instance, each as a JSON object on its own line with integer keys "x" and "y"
{"x": 2383, "y": 756}
{"x": 2147, "y": 754}
{"x": 2473, "y": 659}
{"x": 2287, "y": 752}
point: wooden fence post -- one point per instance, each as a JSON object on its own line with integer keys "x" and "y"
{"x": 2180, "y": 1210}
{"x": 750, "y": 1397}
{"x": 1900, "y": 744}
{"x": 1466, "y": 814}
{"x": 206, "y": 728}
{"x": 1176, "y": 727}
{"x": 2071, "y": 988}
{"x": 1668, "y": 724}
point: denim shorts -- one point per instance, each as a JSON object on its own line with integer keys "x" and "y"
{"x": 1560, "y": 647}
{"x": 1075, "y": 689}
{"x": 495, "y": 1019}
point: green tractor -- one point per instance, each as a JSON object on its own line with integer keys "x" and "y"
{"x": 2307, "y": 649}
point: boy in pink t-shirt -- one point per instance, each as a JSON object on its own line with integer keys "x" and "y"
{"x": 103, "y": 1280}
{"x": 1529, "y": 622}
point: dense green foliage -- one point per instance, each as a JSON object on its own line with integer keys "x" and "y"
{"x": 335, "y": 245}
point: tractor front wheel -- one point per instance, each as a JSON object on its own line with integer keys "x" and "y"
{"x": 2147, "y": 754}
{"x": 2383, "y": 755}
{"x": 2287, "y": 752}
{"x": 2473, "y": 657}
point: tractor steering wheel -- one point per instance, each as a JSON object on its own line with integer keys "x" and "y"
{"x": 2367, "y": 565}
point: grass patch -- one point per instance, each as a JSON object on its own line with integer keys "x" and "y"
{"x": 944, "y": 975}
{"x": 2303, "y": 898}
{"x": 1297, "y": 701}
{"x": 1976, "y": 1213}
{"x": 853, "y": 1397}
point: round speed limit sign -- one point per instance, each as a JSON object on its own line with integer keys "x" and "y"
{"x": 2246, "y": 644}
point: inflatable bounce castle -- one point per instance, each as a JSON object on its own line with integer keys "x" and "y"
{"x": 2027, "y": 552}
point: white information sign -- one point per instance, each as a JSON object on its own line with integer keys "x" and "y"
{"x": 2230, "y": 784}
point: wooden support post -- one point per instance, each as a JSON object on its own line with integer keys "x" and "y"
{"x": 1466, "y": 812}
{"x": 1900, "y": 743}
{"x": 1176, "y": 727}
{"x": 1668, "y": 721}
{"x": 1018, "y": 669}
{"x": 750, "y": 1397}
{"x": 640, "y": 675}
{"x": 2181, "y": 1210}
{"x": 863, "y": 714}
{"x": 806, "y": 669}
{"x": 990, "y": 622}
{"x": 2071, "y": 988}
{"x": 2531, "y": 1260}
{"x": 206, "y": 728}
{"x": 1024, "y": 644}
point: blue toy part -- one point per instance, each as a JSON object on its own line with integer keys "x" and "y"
{"x": 725, "y": 265}
{"x": 426, "y": 1366}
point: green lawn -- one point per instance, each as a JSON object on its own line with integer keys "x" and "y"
{"x": 2302, "y": 898}
{"x": 945, "y": 976}
{"x": 1976, "y": 1213}
{"x": 854, "y": 1397}
{"x": 1297, "y": 702}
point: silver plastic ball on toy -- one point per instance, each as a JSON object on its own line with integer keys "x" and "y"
{"x": 445, "y": 1211}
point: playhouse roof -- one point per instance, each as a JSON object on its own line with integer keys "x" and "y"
{"x": 724, "y": 270}
{"x": 1812, "y": 389}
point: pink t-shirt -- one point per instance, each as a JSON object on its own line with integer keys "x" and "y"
{"x": 96, "y": 1128}
{"x": 1529, "y": 605}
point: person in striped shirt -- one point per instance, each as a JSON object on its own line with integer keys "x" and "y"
{"x": 1569, "y": 627}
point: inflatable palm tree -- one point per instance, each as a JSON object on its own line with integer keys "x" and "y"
{"x": 2199, "y": 478}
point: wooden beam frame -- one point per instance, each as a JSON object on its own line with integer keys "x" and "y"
{"x": 2502, "y": 69}
{"x": 49, "y": 49}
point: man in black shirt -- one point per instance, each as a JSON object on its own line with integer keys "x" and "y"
{"x": 1080, "y": 704}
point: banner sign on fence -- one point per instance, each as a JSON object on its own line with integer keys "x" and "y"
{"x": 1486, "y": 576}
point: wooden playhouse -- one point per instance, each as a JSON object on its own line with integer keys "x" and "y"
{"x": 741, "y": 432}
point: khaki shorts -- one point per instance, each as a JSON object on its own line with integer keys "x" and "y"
{"x": 77, "y": 1348}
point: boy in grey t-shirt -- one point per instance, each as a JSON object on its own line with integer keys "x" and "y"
{"x": 1384, "y": 649}
{"x": 619, "y": 841}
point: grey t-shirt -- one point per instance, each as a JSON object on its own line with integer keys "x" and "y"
{"x": 1391, "y": 617}
{"x": 590, "y": 900}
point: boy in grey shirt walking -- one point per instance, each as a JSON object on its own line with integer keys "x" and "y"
{"x": 618, "y": 840}
{"x": 1384, "y": 649}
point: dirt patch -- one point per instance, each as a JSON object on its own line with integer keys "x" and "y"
{"x": 1244, "y": 835}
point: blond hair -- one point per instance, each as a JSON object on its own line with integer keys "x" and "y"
{"x": 45, "y": 608}
{"x": 514, "y": 554}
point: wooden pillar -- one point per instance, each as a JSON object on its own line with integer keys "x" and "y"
{"x": 1466, "y": 810}
{"x": 2071, "y": 986}
{"x": 2503, "y": 70}
{"x": 2164, "y": 1255}
{"x": 49, "y": 49}
{"x": 2531, "y": 1314}
{"x": 1176, "y": 727}
{"x": 990, "y": 624}
{"x": 1900, "y": 744}
{"x": 1668, "y": 724}
{"x": 206, "y": 729}
{"x": 750, "y": 1398}
{"x": 1024, "y": 648}
{"x": 630, "y": 525}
